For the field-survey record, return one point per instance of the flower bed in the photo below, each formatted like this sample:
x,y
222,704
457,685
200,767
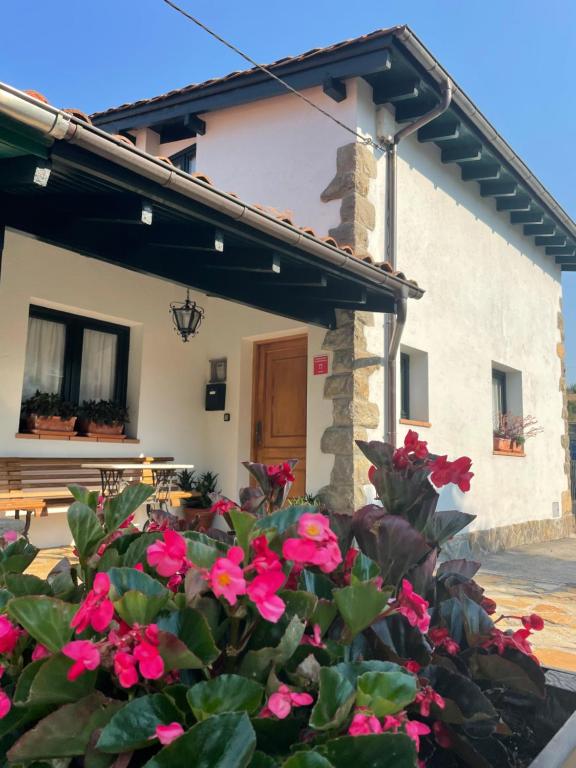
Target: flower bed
x,y
301,639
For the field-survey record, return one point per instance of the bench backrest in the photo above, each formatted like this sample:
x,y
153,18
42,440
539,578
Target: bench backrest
x,y
34,476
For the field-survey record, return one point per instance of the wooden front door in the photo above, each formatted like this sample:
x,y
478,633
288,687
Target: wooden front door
x,y
279,413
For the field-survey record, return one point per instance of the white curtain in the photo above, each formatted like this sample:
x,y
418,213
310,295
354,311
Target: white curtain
x,y
98,366
44,357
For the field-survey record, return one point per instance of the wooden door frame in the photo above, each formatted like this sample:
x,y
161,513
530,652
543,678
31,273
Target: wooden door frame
x,y
255,346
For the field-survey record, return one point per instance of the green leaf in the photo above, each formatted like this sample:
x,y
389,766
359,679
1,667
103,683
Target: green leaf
x,y
317,583
226,693
16,557
21,584
260,760
307,760
86,530
137,608
385,693
336,697
84,496
192,628
5,596
47,619
51,686
22,692
126,579
222,741
363,569
276,737
256,664
176,654
283,519
385,750
242,522
443,524
202,550
66,732
133,725
119,508
299,603
136,552
360,604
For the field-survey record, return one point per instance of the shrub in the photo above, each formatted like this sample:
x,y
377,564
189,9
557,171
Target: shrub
x,y
279,644
48,404
103,412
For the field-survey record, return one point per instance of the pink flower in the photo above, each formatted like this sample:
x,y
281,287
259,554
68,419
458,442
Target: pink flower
x,y
415,446
150,663
392,723
316,527
168,556
97,610
166,734
458,472
265,559
128,522
314,639
227,578
10,536
412,606
139,567
5,704
489,605
533,621
440,638
281,702
125,669
262,591
318,547
426,698
86,657
222,506
413,666
9,635
414,729
363,725
40,652
280,474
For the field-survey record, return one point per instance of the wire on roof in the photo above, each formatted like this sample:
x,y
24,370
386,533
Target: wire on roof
x,y
364,139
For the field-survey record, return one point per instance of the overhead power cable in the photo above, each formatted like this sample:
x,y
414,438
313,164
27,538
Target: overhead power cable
x,y
363,139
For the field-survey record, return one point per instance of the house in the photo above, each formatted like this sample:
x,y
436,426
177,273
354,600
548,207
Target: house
x,y
448,202
99,239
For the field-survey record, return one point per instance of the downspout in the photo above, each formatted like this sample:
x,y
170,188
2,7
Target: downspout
x,y
394,326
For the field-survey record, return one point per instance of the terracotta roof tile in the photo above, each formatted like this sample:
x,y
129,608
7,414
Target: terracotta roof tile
x,y
79,115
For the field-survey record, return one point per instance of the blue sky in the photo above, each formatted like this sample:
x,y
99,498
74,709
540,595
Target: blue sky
x,y
514,58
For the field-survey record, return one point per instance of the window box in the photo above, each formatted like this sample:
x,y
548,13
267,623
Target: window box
x,y
39,425
503,444
93,429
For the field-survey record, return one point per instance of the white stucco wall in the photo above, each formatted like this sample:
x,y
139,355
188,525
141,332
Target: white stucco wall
x,y
166,378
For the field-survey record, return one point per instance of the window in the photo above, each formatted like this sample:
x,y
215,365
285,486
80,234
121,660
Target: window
x,y
413,385
499,400
186,159
76,357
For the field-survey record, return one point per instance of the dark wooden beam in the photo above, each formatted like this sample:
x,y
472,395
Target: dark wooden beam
x,y
527,217
440,130
334,88
246,262
462,153
185,128
566,258
498,188
550,240
396,91
412,109
293,278
560,250
481,172
539,229
114,211
569,267
188,239
28,171
516,203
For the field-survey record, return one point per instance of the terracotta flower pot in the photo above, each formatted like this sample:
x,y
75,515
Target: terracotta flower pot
x,y
37,424
518,447
502,444
93,428
201,519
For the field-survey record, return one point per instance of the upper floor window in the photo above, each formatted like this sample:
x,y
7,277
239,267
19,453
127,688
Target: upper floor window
x,y
77,357
499,397
414,385
186,159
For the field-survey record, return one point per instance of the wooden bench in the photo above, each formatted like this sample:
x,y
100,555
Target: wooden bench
x,y
33,485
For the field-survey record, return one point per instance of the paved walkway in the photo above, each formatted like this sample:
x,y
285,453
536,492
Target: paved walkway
x,y
538,578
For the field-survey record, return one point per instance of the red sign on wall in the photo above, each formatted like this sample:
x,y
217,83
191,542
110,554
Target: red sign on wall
x,y
320,365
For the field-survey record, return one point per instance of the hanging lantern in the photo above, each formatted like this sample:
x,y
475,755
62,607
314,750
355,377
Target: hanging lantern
x,y
186,317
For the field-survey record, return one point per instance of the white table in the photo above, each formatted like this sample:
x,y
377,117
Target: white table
x,y
111,475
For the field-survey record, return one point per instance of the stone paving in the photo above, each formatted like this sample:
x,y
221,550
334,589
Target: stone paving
x,y
537,578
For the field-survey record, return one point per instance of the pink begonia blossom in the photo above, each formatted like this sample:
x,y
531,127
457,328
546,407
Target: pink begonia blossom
x,y
9,635
40,652
364,725
440,638
458,472
86,657
414,729
318,545
223,506
265,559
227,578
413,666
139,567
280,474
426,698
533,621
281,702
125,669
168,556
315,639
413,607
10,536
5,704
166,734
316,527
97,610
150,663
262,591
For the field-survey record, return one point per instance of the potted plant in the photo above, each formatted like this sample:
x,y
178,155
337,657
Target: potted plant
x,y
513,431
47,412
197,509
102,417
306,640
